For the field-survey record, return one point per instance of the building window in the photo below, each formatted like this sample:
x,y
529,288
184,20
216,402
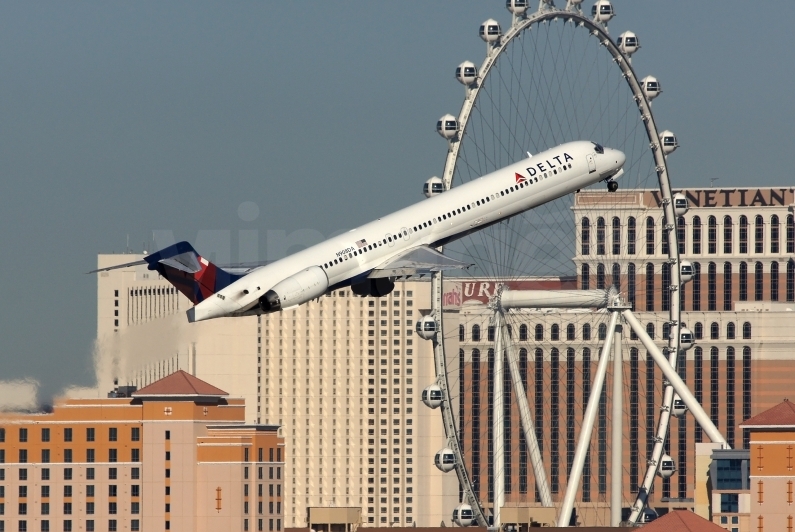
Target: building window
x,y
616,236
650,287
631,284
746,393
523,333
570,332
90,455
680,234
758,281
112,455
712,235
539,404
790,233
774,234
634,413
727,235
727,286
729,503
600,276
461,332
631,232
90,434
135,455
714,331
698,330
743,281
746,331
774,281
586,392
67,434
539,332
730,419
600,236
490,333
698,381
759,234
730,332
712,287
714,386
586,331
45,435
696,286
791,280
743,234
554,422
696,235
555,332
585,277
476,333
649,236
23,435
616,281
585,237
665,291
602,331
650,330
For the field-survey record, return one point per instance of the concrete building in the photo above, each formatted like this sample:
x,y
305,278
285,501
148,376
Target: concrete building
x,y
772,458
342,375
176,455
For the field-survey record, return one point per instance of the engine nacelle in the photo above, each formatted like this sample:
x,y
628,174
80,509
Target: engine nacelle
x,y
304,286
378,287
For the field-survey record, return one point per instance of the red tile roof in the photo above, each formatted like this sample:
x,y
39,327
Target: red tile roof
x,y
179,383
781,415
681,521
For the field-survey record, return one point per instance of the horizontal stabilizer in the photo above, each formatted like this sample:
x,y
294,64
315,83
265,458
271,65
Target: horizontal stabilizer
x,y
421,260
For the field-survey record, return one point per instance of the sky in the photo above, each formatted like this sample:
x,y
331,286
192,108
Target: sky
x,y
120,119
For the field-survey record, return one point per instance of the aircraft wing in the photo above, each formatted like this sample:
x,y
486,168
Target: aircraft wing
x,y
421,260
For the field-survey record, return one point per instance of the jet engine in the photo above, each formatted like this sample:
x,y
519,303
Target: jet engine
x,y
304,286
378,287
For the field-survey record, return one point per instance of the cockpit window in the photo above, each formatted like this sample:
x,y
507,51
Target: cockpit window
x,y
598,148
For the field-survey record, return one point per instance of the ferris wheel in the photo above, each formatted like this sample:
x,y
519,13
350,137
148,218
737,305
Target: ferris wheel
x,y
522,340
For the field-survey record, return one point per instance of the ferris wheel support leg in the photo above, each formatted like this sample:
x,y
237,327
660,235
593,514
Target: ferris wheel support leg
x,y
584,440
616,478
498,425
526,419
676,381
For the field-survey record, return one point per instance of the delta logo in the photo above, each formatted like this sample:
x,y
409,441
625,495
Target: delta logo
x,y
520,178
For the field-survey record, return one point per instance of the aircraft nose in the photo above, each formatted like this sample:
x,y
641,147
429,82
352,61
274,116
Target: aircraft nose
x,y
619,158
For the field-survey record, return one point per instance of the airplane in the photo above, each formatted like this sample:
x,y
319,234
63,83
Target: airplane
x,y
402,244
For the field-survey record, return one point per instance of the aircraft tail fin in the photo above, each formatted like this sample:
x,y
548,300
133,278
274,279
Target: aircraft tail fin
x,y
190,273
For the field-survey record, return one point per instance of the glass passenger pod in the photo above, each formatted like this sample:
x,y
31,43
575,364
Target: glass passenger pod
x,y
681,205
602,11
426,328
628,43
686,338
490,31
667,467
679,408
463,515
686,271
669,142
432,396
651,87
447,127
517,7
444,460
466,73
433,187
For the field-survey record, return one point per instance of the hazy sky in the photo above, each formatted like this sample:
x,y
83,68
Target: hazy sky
x,y
121,118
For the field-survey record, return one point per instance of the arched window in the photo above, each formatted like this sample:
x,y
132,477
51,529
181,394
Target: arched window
x,y
712,287
696,235
698,330
666,331
650,236
696,286
585,278
743,281
600,276
650,330
791,280
616,236
743,234
790,233
730,333
714,331
570,332
523,333
617,276
585,236
727,286
602,331
747,330
631,235
490,333
586,331
600,236
631,284
665,291
461,333
759,234
727,234
774,234
712,235
774,281
555,332
476,333
680,234
758,281
539,332
649,287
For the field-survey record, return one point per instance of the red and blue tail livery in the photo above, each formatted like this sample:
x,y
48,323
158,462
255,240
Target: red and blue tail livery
x,y
194,276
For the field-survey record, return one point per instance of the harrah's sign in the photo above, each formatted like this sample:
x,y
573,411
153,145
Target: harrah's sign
x,y
730,197
479,291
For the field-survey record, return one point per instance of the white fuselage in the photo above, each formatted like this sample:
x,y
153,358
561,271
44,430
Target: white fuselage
x,y
432,222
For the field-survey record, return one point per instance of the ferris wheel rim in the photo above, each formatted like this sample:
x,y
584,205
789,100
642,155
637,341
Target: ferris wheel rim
x,y
519,26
